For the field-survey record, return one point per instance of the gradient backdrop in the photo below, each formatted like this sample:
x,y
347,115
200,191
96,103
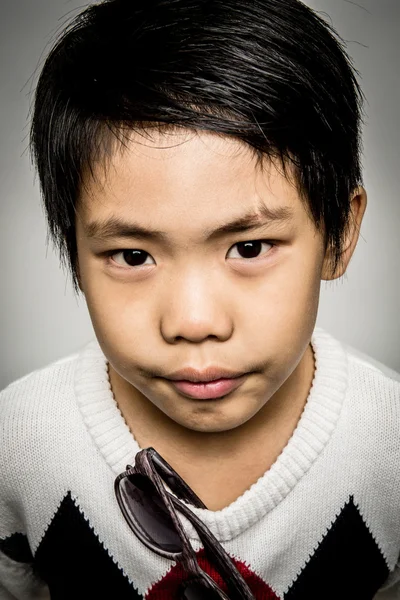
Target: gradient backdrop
x,y
41,320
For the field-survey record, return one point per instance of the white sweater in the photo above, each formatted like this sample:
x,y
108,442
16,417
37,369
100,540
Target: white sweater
x,y
322,523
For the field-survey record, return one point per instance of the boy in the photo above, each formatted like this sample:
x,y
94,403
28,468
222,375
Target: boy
x,y
185,135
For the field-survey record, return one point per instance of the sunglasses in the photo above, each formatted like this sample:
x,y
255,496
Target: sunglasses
x,y
150,511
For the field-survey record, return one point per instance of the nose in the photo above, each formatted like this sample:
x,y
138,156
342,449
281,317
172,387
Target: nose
x,y
196,308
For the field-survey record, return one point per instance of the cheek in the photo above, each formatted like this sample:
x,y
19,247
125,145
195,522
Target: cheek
x,y
287,307
118,312
291,288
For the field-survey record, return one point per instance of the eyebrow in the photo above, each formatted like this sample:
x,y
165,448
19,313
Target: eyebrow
x,y
115,227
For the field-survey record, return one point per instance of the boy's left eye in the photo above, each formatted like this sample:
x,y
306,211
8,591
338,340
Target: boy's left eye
x,y
248,251
251,248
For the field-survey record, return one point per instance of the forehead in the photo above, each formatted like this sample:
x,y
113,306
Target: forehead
x,y
180,154
183,177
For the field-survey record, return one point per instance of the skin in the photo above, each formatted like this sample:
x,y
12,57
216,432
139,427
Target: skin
x,y
196,303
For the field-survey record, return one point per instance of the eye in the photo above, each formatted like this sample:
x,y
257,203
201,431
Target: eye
x,y
252,248
132,258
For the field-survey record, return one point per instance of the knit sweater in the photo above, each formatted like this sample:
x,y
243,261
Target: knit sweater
x,y
323,522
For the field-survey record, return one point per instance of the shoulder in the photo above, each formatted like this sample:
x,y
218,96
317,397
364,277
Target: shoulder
x,y
47,371
37,389
46,449
372,407
371,402
34,412
364,362
360,367
373,381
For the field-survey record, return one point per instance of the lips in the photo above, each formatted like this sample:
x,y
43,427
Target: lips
x,y
210,390
209,374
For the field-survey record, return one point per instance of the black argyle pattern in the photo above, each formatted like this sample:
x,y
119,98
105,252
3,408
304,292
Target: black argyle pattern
x,y
346,565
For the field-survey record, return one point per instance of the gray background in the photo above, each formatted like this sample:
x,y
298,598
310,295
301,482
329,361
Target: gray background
x,y
40,318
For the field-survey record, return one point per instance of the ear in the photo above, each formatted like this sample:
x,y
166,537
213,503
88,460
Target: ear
x,y
358,204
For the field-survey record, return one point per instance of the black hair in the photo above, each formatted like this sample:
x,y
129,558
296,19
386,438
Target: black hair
x,y
271,73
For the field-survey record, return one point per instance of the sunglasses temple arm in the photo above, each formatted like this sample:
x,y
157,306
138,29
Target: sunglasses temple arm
x,y
238,587
174,480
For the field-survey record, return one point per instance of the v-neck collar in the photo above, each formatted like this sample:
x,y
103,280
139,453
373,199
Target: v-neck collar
x,y
113,438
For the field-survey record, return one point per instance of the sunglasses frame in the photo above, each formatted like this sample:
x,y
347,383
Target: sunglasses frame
x,y
150,464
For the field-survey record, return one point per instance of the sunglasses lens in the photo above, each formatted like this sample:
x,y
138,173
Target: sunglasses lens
x,y
143,504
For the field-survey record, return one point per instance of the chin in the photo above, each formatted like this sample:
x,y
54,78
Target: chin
x,y
211,423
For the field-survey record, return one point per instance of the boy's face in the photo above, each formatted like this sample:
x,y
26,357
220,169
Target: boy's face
x,y
193,302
